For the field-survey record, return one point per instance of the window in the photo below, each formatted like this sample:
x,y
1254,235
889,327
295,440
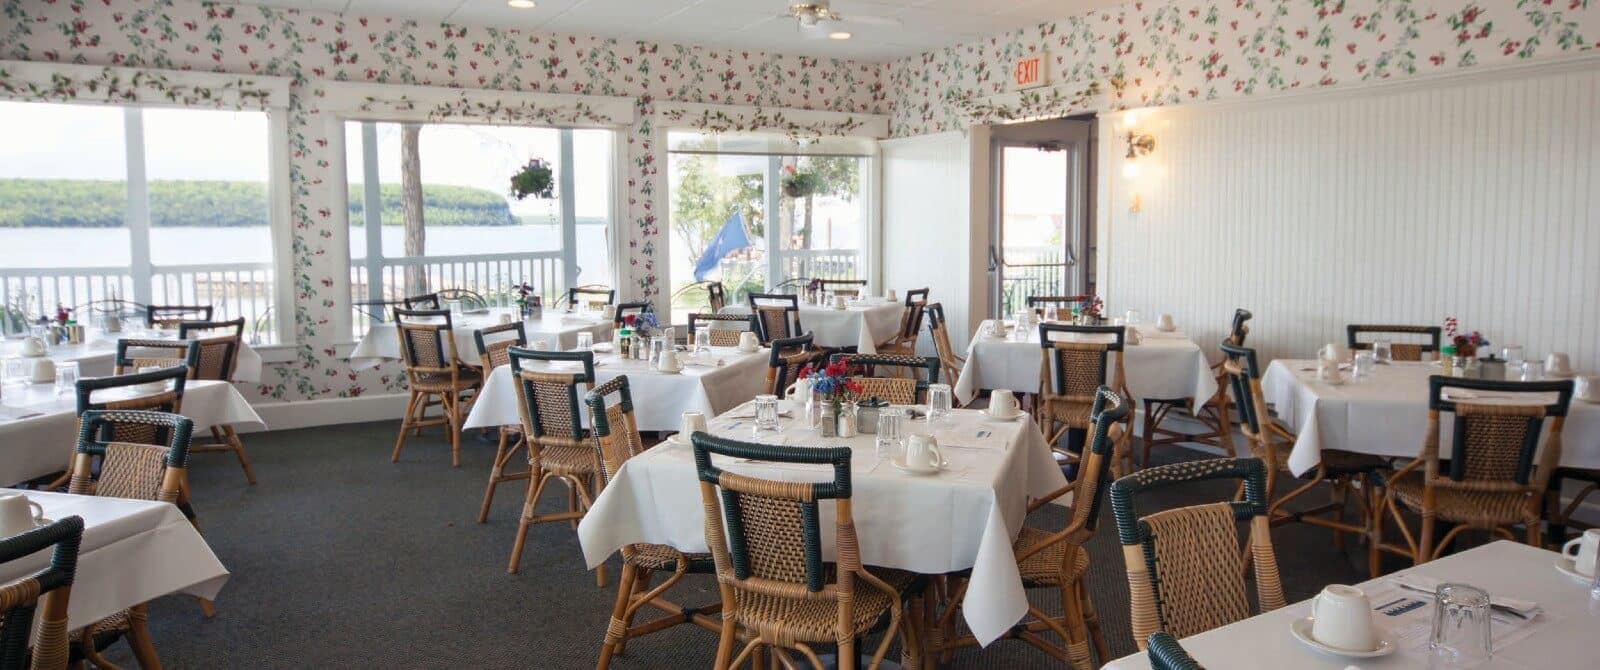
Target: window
x,y
474,235
755,213
149,205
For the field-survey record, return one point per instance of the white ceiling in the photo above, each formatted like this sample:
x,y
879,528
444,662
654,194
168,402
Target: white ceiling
x,y
743,24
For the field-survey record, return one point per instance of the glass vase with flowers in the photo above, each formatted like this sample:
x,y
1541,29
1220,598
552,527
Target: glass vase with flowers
x,y
838,394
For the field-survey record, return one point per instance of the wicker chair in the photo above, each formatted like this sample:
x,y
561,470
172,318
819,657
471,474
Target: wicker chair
x,y
910,389
1347,471
624,309
218,356
1070,375
169,400
137,470
1056,559
721,337
949,361
435,375
845,287
616,439
1038,303
595,296
1165,653
787,358
22,643
558,446
424,301
1213,412
766,540
777,315
716,296
1403,351
494,347
1558,516
133,354
904,341
1496,474
191,329
170,316
1185,572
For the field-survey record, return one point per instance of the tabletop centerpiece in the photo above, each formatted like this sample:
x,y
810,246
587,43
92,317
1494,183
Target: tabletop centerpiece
x,y
642,329
1462,351
838,396
529,304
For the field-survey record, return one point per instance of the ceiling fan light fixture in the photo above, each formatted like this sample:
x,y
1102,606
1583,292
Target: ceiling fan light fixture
x,y
521,4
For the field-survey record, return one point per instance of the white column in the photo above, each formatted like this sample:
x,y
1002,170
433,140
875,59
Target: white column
x,y
567,183
138,221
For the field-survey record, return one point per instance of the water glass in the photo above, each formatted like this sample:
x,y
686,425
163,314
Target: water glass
x,y
766,412
1131,317
1532,371
890,440
1366,362
1513,356
1383,352
939,403
702,340
585,340
1460,637
66,377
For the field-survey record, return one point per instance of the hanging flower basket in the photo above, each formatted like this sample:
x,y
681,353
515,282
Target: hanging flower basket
x,y
535,179
802,184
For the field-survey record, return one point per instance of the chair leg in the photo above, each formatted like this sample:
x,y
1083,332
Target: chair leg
x,y
144,651
1077,641
495,471
1374,530
725,642
448,402
1149,431
617,630
1092,620
1425,550
405,424
231,438
536,483
208,609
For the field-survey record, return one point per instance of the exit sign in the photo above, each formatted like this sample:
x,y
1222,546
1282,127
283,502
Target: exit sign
x,y
1029,72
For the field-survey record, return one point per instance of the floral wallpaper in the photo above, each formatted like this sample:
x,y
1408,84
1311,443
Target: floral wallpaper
x,y
1168,53
315,47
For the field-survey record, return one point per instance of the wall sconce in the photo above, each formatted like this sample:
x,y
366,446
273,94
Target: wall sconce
x,y
1139,144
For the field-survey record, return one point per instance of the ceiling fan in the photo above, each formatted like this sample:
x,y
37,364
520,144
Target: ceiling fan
x,y
818,21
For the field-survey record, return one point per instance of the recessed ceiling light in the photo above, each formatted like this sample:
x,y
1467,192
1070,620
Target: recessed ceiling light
x,y
521,4
839,35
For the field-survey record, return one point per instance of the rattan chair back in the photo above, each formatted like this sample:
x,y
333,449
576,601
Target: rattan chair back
x,y
1240,329
910,389
949,360
1243,372
625,309
191,329
720,337
1074,370
594,296
139,470
494,341
786,359
777,315
1403,351
1185,574
427,344
1164,653
419,302
123,395
1494,446
135,353
45,591
911,318
548,400
220,343
1107,414
171,316
616,432
716,296
846,287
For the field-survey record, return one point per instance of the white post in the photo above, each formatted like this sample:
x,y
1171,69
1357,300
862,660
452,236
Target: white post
x,y
567,183
774,192
138,221
371,209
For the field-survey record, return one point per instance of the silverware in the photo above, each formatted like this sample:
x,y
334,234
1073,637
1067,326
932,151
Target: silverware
x,y
1498,608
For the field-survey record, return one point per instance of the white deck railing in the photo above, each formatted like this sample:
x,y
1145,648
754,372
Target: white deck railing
x,y
233,289
489,275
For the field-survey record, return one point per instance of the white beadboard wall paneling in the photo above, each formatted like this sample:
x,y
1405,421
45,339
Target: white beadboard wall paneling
x,y
926,231
1473,197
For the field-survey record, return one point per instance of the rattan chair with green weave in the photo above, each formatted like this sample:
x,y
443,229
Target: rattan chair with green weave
x,y
950,362
1165,653
1403,351
1074,362
43,645
786,359
137,471
219,343
133,354
766,540
549,393
435,376
872,372
905,337
1214,412
1056,559
725,336
1185,572
616,439
1496,474
494,344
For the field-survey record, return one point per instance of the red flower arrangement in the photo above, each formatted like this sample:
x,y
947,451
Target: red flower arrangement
x,y
833,382
1466,344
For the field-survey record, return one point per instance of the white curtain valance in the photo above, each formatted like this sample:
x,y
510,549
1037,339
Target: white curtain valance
x,y
388,102
763,130
55,82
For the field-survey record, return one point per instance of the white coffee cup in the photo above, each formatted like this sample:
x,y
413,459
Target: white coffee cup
x,y
748,342
838,302
1557,365
891,296
669,361
1002,404
922,454
800,390
44,371
1165,324
18,514
540,345
1588,545
33,347
1586,388
1342,618
689,424
505,318
608,312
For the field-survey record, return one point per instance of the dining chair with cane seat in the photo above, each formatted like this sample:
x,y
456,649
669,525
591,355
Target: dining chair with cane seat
x,y
850,288
169,316
904,341
1056,559
1495,473
219,354
494,350
1075,361
787,358
1186,570
44,645
133,354
128,392
720,337
593,296
424,301
1403,351
549,393
949,361
1214,413
626,309
766,542
777,315
192,329
138,470
616,439
716,297
1164,653
435,375
1039,303
1558,516
1347,472
869,370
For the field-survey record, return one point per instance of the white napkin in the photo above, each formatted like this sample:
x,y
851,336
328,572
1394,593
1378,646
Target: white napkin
x,y
1419,581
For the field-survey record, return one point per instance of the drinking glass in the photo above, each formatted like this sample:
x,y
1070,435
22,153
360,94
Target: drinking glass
x,y
1366,362
1383,352
939,403
585,340
66,377
658,344
766,412
1460,637
1532,371
1131,317
1513,355
702,340
889,439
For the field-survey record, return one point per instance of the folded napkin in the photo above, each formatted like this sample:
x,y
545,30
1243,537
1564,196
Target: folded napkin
x,y
1416,581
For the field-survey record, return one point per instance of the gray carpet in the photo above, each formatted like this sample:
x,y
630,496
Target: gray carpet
x,y
341,559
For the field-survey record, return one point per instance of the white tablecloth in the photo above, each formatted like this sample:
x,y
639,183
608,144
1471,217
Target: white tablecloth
x,y
132,551
1387,415
555,329
1162,366
96,356
39,429
1564,639
659,400
861,326
965,517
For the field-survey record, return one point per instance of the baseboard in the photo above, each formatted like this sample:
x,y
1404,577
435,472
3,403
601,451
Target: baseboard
x,y
330,411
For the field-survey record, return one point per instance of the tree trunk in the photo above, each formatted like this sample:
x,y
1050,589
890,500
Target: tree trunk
x,y
411,206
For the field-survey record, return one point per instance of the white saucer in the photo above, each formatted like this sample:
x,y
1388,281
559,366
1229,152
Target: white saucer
x,y
1173,329
915,473
678,371
747,351
1568,374
1003,419
1301,629
1564,566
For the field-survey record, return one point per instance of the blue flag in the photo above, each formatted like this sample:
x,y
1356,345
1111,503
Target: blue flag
x,y
728,240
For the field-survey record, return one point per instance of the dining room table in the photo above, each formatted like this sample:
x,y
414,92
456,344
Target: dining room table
x,y
1386,414
711,382
555,328
96,354
132,551
1560,635
1161,366
862,323
39,424
964,516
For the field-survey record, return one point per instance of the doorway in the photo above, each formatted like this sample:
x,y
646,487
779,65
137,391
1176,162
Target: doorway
x,y
1042,240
